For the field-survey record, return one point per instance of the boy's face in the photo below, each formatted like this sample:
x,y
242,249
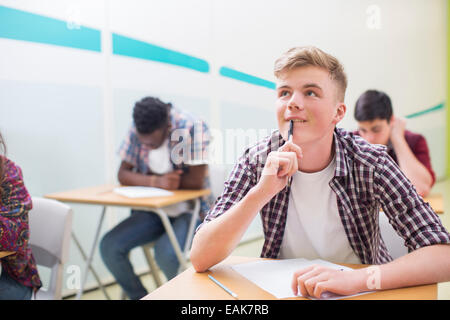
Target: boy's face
x,y
376,131
308,96
155,139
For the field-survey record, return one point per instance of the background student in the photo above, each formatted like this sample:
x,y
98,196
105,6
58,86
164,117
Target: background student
x,y
150,157
330,210
377,124
19,275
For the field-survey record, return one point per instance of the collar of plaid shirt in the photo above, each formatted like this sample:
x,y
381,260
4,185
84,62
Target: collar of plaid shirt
x,y
366,179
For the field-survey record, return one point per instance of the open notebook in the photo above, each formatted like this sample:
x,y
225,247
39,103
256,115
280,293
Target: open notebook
x,y
275,276
142,192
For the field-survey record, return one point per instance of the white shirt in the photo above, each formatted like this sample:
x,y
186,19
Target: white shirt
x,y
159,163
159,159
313,227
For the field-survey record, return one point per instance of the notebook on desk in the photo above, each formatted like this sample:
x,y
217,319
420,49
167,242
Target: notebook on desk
x,y
142,192
275,276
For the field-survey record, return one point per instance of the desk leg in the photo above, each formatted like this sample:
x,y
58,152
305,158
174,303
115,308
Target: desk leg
x,y
190,234
91,255
172,237
191,230
83,254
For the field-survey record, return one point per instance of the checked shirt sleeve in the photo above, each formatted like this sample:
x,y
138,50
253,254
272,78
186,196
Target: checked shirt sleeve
x,y
129,148
412,218
242,178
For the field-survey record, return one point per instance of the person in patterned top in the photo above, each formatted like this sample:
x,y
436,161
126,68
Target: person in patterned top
x,y
19,275
329,209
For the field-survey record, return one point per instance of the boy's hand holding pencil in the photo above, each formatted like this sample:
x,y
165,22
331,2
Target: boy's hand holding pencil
x,y
279,167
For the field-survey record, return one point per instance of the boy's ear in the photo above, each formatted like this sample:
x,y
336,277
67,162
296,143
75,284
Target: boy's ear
x,y
340,112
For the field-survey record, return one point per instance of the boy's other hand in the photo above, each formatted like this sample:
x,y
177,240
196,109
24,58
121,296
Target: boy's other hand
x,y
314,280
398,126
169,181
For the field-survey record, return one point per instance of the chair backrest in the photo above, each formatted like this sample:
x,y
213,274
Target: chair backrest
x,y
394,243
50,230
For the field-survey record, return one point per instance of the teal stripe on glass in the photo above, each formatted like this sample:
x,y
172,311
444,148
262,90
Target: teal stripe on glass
x,y
237,75
22,25
420,113
129,47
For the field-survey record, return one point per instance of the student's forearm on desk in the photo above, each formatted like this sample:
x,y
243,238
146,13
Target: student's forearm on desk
x,y
130,178
218,238
424,266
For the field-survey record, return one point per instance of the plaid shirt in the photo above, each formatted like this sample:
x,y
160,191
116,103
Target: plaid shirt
x,y
189,139
365,180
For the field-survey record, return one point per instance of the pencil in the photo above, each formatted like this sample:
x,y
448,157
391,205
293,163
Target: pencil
x,y
291,130
290,133
234,295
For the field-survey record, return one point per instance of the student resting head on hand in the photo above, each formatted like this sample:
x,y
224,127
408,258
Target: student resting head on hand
x,y
151,156
377,124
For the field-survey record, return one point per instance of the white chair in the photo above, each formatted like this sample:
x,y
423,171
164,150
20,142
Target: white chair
x,y
50,228
394,243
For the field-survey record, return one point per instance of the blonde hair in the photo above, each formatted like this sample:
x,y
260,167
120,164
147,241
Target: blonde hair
x,y
312,56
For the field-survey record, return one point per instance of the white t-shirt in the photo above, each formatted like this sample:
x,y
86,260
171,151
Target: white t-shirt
x,y
159,163
313,227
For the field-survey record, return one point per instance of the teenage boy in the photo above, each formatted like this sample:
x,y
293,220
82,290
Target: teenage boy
x,y
330,209
377,125
164,148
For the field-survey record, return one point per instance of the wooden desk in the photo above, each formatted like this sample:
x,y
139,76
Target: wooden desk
x,y
190,285
436,201
104,196
5,253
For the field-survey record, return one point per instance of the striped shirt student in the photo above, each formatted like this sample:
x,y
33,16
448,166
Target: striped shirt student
x,y
188,145
165,148
329,209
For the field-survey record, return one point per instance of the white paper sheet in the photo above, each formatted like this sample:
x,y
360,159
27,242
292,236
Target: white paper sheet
x,y
275,276
142,192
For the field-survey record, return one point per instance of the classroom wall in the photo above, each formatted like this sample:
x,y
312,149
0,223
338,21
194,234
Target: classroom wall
x,y
448,89
70,72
